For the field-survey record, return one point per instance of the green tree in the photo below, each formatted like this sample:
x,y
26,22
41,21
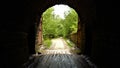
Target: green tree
x,y
55,26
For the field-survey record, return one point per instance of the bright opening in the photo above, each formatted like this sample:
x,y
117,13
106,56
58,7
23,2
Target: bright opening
x,y
59,23
61,10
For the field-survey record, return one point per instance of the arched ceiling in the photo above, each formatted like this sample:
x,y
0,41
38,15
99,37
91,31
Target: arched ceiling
x,y
22,16
85,8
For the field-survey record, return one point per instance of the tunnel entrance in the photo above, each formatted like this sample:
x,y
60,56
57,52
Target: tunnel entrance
x,y
59,29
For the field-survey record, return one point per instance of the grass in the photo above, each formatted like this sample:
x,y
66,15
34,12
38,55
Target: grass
x,y
47,43
70,43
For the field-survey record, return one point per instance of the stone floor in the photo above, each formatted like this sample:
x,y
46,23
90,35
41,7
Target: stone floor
x,y
60,61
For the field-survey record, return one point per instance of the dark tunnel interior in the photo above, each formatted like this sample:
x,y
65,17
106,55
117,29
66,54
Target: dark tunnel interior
x,y
18,30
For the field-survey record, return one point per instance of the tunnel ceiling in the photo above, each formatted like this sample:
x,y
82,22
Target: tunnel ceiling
x,y
85,8
21,16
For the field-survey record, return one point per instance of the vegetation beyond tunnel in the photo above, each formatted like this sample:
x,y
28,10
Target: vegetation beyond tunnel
x,y
58,21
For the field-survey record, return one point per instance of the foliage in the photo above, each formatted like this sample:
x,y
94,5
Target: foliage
x,y
57,27
70,43
47,43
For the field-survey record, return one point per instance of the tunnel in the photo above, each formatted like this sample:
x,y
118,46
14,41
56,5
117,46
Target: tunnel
x,y
19,29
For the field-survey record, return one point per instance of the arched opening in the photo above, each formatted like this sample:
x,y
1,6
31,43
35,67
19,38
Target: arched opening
x,y
56,24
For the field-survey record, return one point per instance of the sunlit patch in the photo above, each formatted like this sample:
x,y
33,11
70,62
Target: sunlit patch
x,y
58,46
61,10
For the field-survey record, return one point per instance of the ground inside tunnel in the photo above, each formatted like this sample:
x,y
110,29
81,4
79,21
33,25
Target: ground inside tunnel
x,y
60,61
59,55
